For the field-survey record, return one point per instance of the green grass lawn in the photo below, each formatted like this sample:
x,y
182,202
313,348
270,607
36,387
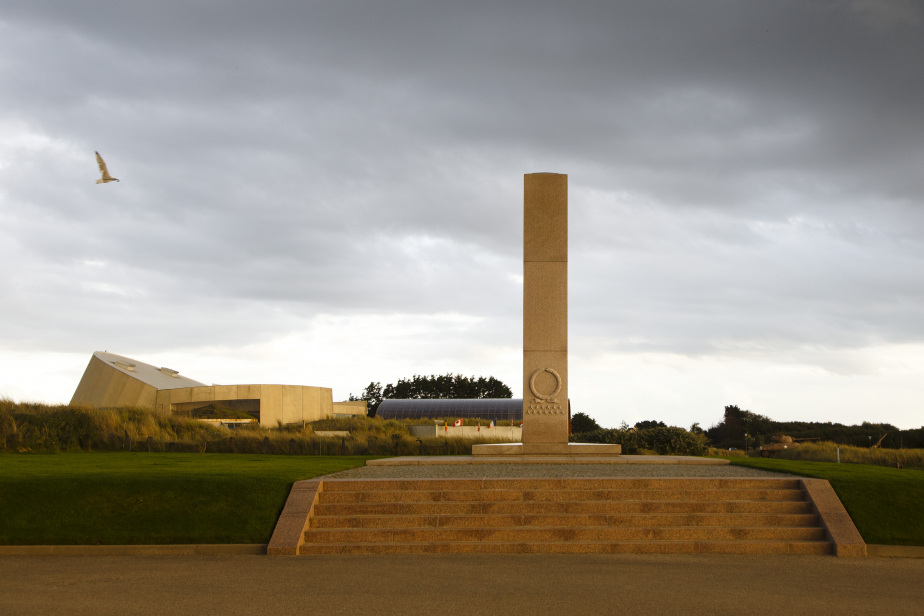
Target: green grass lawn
x,y
886,504
149,498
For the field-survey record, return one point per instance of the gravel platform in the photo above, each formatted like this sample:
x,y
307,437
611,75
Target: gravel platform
x,y
478,471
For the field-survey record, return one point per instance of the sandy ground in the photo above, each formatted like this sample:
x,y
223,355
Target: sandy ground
x,y
460,584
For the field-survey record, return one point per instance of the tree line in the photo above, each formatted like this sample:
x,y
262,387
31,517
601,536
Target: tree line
x,y
739,428
435,386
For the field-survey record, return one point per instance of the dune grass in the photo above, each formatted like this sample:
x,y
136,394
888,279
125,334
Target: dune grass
x,y
27,427
827,451
884,503
149,498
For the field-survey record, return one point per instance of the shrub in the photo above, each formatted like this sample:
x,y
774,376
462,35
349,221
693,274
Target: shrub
x,y
663,440
582,422
826,451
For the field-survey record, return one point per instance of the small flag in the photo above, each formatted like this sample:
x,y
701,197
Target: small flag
x,y
479,426
458,423
521,425
491,425
447,426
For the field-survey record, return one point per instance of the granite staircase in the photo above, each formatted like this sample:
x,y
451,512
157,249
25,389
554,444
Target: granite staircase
x,y
669,515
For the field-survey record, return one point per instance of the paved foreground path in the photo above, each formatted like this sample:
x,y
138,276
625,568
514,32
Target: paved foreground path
x,y
514,585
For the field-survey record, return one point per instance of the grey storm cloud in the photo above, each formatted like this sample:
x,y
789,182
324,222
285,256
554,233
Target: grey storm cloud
x,y
746,177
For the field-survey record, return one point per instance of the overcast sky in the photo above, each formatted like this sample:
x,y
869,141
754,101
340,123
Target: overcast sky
x,y
330,193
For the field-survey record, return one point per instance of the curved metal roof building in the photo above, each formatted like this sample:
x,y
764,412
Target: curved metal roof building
x,y
498,409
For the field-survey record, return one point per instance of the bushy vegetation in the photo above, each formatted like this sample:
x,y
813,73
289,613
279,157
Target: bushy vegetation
x,y
26,427
582,422
34,427
712,452
666,440
827,452
740,427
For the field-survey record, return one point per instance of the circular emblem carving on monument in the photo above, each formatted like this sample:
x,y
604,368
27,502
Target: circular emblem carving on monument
x,y
532,385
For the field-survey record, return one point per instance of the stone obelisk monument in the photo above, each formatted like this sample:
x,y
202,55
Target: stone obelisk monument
x,y
545,324
545,313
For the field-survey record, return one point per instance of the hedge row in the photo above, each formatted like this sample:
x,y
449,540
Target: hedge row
x,y
663,441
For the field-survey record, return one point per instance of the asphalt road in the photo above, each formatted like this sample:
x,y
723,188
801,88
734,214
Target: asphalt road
x,y
460,584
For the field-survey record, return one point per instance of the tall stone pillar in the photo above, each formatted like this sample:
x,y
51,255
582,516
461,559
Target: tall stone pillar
x,y
545,312
545,327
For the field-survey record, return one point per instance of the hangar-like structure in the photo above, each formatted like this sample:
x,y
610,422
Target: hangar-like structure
x,y
501,410
112,380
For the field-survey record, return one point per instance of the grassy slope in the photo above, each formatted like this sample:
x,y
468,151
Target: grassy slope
x,y
886,504
149,498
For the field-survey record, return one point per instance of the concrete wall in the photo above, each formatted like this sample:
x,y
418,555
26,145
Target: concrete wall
x,y
514,434
103,385
351,407
278,403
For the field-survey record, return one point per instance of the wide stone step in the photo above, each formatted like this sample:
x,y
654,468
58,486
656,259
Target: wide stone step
x,y
561,507
671,515
474,496
581,483
563,534
561,520
577,547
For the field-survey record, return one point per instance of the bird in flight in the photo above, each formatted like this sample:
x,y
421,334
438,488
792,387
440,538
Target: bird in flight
x,y
102,168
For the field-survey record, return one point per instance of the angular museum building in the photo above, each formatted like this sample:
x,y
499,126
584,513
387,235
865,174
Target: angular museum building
x,y
112,380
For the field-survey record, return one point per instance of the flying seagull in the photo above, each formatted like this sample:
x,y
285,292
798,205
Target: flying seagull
x,y
102,168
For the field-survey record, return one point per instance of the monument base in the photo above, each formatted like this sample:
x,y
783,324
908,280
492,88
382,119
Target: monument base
x,y
546,449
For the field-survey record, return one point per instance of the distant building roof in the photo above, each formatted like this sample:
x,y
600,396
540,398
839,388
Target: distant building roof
x,y
159,378
498,409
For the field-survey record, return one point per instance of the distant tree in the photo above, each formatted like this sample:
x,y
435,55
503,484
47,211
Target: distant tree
x,y
696,429
434,386
446,386
373,397
648,425
736,423
581,422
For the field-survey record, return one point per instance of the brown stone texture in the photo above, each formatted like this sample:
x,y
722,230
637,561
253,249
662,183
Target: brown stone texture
x,y
289,533
841,530
557,515
545,421
545,302
545,209
545,309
